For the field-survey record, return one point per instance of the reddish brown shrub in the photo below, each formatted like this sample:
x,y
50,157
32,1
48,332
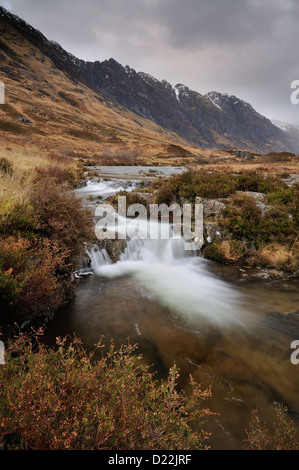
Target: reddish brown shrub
x,y
282,436
60,217
62,399
31,278
58,173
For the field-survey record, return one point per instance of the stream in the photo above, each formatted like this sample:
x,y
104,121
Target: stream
x,y
179,307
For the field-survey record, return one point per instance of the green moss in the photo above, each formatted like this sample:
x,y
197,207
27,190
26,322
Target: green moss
x,y
213,253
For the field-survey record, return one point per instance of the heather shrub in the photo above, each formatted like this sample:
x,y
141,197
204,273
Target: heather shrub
x,y
65,398
256,182
131,198
31,278
277,225
217,184
227,251
41,240
203,184
281,196
242,219
59,174
164,195
17,219
9,291
213,252
281,436
60,217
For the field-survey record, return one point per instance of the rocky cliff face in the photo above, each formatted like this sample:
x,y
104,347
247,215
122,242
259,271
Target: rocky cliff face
x,y
212,121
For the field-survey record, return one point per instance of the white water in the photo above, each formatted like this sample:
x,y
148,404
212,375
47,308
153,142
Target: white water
x,y
181,283
104,188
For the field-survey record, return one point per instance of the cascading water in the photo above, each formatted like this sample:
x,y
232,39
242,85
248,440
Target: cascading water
x,y
98,257
166,270
104,188
177,280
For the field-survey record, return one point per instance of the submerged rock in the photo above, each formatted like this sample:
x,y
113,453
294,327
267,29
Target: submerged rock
x,y
284,323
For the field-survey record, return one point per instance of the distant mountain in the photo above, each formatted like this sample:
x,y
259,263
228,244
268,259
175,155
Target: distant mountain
x,y
290,130
213,120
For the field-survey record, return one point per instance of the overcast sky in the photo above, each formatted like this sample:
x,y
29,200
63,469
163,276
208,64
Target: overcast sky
x,y
247,48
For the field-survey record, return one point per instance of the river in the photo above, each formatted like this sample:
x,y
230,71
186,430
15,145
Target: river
x,y
181,308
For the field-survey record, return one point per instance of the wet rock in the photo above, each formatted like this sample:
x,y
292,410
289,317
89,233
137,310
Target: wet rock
x,y
211,232
266,274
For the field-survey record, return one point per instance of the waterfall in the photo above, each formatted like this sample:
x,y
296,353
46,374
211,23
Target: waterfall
x,y
105,188
178,281
97,257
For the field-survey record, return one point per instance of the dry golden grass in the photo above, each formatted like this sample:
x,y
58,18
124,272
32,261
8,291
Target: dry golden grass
x,y
14,188
277,256
229,251
219,160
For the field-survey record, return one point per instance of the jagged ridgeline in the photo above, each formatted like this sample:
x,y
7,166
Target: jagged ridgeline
x,y
213,120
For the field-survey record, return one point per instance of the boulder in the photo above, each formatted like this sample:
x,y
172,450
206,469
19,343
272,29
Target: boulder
x,y
257,196
260,199
25,120
211,207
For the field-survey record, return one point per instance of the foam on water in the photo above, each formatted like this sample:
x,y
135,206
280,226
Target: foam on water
x,y
105,188
181,283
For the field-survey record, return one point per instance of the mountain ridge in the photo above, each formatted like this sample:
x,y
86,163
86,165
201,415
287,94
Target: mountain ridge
x,y
213,120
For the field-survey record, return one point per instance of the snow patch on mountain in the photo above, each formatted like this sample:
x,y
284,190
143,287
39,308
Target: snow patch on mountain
x,y
284,126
